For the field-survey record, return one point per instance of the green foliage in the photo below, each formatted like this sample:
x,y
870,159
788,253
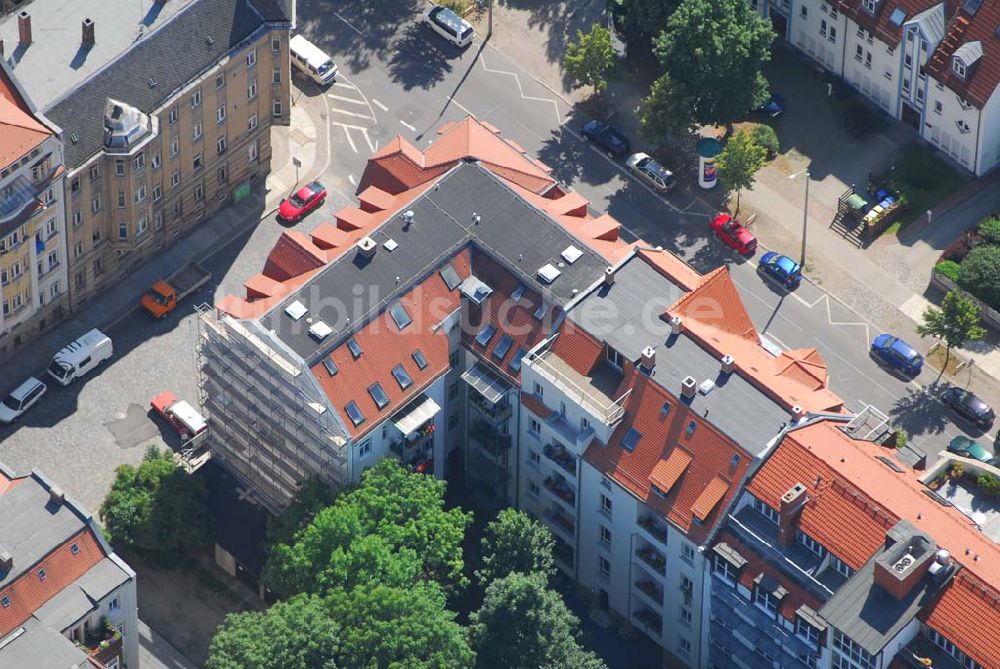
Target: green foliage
x,y
667,110
391,529
739,161
989,484
648,16
157,508
524,624
901,436
765,136
980,274
383,626
295,634
989,230
956,322
312,497
948,268
715,49
515,542
590,59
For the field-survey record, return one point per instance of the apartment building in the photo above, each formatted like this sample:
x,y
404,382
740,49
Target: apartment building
x,y
932,64
838,555
164,113
66,599
33,278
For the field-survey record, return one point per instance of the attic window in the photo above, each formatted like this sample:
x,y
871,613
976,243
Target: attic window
x,y
869,5
690,429
665,409
354,347
571,254
330,366
378,395
486,334
296,310
631,439
400,316
5,601
354,413
959,67
502,347
41,574
450,277
418,357
735,460
897,17
518,292
515,362
74,549
540,311
548,273
402,378
971,6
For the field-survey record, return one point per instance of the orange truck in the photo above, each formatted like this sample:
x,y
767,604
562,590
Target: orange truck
x,y
162,297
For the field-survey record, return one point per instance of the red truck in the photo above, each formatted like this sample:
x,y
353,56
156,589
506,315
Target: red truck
x,y
162,297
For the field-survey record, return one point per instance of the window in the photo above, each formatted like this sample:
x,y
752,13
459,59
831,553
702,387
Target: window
x,y
920,94
533,489
175,179
95,236
833,33
765,510
140,194
5,601
605,504
822,26
959,67
175,147
400,316
686,616
354,348
614,357
172,116
53,258
765,601
252,151
78,250
364,448
54,290
74,186
276,74
157,192
849,655
141,225
806,632
220,113
138,162
50,227
888,75
687,553
534,427
402,378
196,163
378,395
77,219
453,391
684,645
221,175
196,131
220,145
158,221
220,80
605,536
196,99
804,12
810,543
275,44
868,59
251,58
122,200
123,230
938,107
119,168
584,424
156,160
252,122
534,458
418,357
199,192
276,107
453,421
41,574
604,566
858,53
963,127
484,336
841,567
689,430
252,90
114,604
631,439
354,413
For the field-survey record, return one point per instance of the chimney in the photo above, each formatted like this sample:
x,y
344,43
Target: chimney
x,y
648,359
898,571
728,364
675,325
609,276
689,386
798,413
88,32
24,28
367,247
788,512
56,495
6,561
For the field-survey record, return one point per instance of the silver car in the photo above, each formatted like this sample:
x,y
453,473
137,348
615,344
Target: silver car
x,y
656,175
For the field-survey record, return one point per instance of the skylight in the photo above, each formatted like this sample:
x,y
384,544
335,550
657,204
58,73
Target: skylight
x,y
515,362
296,310
972,6
665,409
571,254
631,439
450,277
502,347
548,273
518,292
331,367
354,413
486,334
540,311
418,357
354,347
402,378
690,429
400,316
897,17
320,330
381,400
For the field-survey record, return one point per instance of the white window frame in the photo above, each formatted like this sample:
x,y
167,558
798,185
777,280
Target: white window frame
x,y
196,99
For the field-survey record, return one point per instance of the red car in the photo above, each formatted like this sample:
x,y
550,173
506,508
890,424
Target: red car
x,y
734,235
307,198
183,417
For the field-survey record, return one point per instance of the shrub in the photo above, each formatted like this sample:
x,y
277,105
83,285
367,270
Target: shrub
x,y
764,135
957,470
980,274
989,230
901,436
959,248
989,484
948,268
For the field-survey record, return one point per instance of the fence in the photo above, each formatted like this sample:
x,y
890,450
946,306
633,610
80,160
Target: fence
x,y
989,315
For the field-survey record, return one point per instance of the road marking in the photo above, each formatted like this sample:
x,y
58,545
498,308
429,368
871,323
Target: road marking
x,y
350,141
348,23
350,177
407,126
379,105
451,98
343,99
349,126
364,133
345,84
517,80
354,114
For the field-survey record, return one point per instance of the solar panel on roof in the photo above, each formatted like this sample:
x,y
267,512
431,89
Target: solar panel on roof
x,y
450,277
400,316
418,357
354,413
378,395
631,439
503,346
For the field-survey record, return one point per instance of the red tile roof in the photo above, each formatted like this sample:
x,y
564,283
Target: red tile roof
x,y
20,131
667,471
879,24
28,593
968,610
293,254
577,348
712,466
710,497
984,77
535,405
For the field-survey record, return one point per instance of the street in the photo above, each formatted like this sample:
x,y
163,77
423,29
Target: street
x,y
399,79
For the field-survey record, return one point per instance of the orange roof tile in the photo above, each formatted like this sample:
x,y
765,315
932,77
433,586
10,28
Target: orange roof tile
x,y
981,80
710,497
374,198
666,472
327,237
968,613
20,132
577,347
293,254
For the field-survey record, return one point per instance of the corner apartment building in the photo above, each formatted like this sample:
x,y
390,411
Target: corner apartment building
x,y
932,64
838,555
66,599
164,113
33,278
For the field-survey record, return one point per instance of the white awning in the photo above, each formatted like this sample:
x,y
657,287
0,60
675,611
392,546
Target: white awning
x,y
486,383
415,414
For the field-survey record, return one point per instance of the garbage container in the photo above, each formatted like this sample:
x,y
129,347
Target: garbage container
x,y
708,149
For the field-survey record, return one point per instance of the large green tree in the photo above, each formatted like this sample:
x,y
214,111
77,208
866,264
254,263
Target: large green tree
x,y
295,634
715,49
515,542
589,60
157,508
979,274
667,110
956,322
648,16
404,511
522,624
739,161
312,497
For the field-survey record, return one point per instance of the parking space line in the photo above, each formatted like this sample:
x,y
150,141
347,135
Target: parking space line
x,y
371,147
451,99
407,126
343,99
354,114
379,105
345,84
348,24
347,133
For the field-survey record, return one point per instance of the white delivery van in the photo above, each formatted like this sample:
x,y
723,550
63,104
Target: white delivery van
x,y
311,61
80,357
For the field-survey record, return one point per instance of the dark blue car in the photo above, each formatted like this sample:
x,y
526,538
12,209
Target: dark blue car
x,y
897,354
781,268
606,137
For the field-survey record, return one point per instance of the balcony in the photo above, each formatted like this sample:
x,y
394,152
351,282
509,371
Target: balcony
x,y
490,438
649,620
416,451
654,529
495,413
487,472
651,591
593,393
562,490
561,522
562,458
564,555
653,559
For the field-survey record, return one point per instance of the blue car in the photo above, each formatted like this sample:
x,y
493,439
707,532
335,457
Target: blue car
x,y
775,105
781,268
613,142
897,354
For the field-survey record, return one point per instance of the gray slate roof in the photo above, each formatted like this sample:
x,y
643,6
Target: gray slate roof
x,y
932,22
41,647
78,599
969,52
172,54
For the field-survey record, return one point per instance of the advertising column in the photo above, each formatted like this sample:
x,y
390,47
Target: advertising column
x,y
708,149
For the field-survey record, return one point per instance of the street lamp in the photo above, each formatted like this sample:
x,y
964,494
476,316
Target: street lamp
x,y
805,215
489,31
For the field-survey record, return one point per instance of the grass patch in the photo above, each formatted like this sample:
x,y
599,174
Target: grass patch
x,y
924,179
457,6
936,360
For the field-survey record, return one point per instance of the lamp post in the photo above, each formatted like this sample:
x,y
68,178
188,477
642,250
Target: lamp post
x,y
489,30
805,216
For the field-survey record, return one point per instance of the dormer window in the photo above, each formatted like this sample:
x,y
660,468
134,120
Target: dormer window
x,y
959,67
869,5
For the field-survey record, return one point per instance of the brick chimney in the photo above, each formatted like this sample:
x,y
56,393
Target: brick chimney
x,y
689,386
24,28
788,513
6,561
88,32
56,495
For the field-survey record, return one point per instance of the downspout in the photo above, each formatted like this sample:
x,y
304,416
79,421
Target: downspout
x,y
979,133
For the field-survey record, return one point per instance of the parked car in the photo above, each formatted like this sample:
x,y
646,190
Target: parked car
x,y
303,201
781,268
774,107
449,25
896,354
967,448
183,417
606,137
80,357
656,175
969,407
21,399
733,235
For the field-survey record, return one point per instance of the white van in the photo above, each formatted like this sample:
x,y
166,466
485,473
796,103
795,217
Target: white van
x,y
311,61
80,357
449,25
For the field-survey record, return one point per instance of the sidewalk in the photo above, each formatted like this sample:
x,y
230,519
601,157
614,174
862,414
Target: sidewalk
x,y
155,652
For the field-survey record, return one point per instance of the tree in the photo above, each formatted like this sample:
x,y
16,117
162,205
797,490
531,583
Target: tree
x,y
989,230
404,510
667,110
715,49
295,634
312,497
383,626
589,59
980,274
648,16
515,542
739,161
956,322
522,624
157,508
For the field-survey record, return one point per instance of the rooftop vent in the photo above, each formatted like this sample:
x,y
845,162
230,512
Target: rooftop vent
x,y
320,330
367,247
688,386
209,40
903,564
6,561
728,364
24,28
87,32
571,254
56,495
609,276
547,273
296,310
706,386
798,412
408,217
390,245
675,325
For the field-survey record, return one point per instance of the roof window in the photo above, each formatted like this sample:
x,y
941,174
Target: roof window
x,y
502,347
515,362
450,277
5,601
571,254
354,347
690,429
330,366
381,399
402,378
665,409
41,574
354,413
320,330
518,292
486,334
631,439
74,549
400,316
418,357
897,17
540,311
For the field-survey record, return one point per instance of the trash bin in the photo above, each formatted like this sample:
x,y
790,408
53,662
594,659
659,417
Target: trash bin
x,y
708,149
